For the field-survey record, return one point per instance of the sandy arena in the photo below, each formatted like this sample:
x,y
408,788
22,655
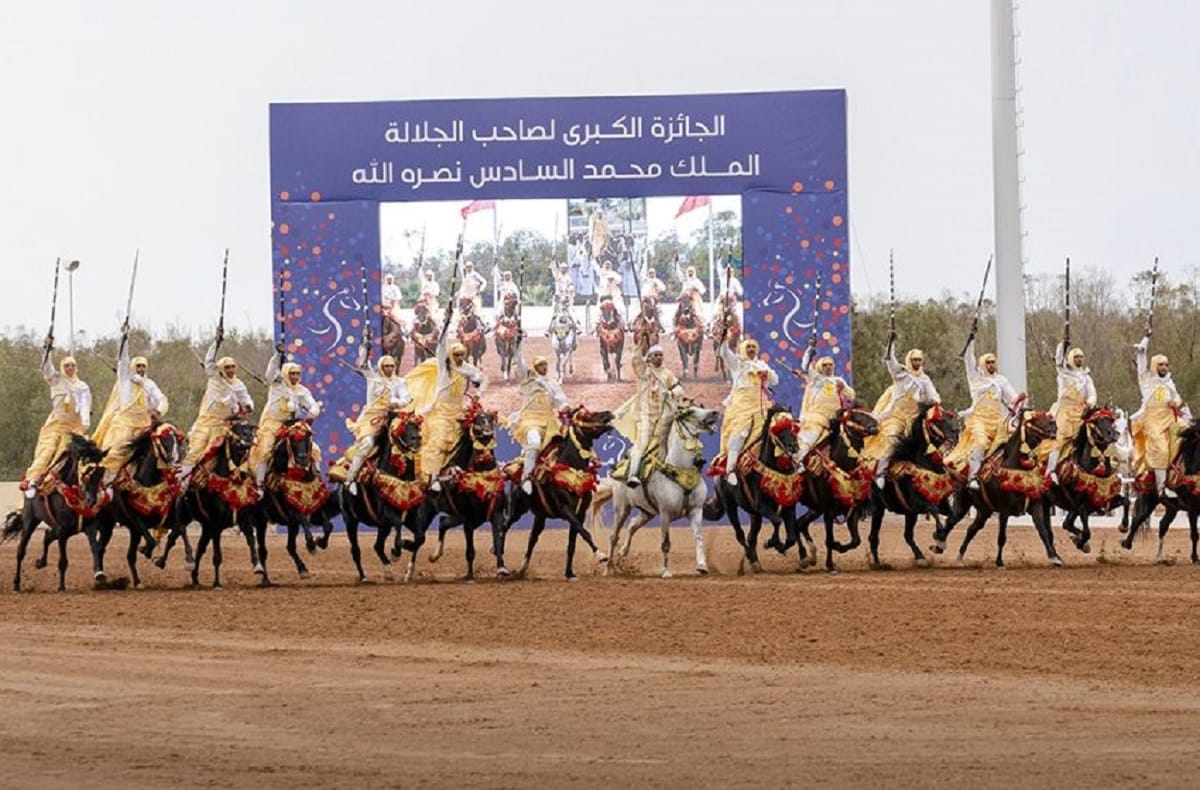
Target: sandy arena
x,y
1083,676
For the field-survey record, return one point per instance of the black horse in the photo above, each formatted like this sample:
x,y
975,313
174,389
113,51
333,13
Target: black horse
x,y
506,332
389,493
223,493
1011,482
294,494
71,499
769,483
145,493
1183,477
472,488
918,482
563,481
1088,479
837,479
424,334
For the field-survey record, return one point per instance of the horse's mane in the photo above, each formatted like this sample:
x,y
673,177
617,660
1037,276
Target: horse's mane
x,y
83,447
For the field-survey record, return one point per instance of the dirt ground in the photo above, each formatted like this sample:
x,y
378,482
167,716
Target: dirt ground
x,y
946,676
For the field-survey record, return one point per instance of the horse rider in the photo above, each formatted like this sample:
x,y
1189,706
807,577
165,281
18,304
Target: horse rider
x,y
472,285
689,283
655,385
386,392
608,283
1156,424
135,405
506,287
652,286
70,413
993,401
1076,394
564,286
825,394
598,233
225,399
430,291
390,298
731,292
533,424
748,401
287,399
897,408
437,387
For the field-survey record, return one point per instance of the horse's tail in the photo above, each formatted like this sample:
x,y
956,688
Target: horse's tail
x,y
601,496
12,526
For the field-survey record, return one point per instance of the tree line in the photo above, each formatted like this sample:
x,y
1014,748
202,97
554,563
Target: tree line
x,y
1107,319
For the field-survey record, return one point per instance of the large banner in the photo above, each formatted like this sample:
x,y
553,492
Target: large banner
x,y
628,175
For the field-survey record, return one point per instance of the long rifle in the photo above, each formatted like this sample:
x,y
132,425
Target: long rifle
x,y
224,284
458,253
520,292
725,310
53,307
129,303
978,306
366,307
282,315
1153,294
1067,317
891,298
816,308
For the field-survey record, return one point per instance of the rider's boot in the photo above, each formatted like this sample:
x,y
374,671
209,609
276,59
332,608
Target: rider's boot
x,y
973,469
731,458
1160,481
881,471
1052,466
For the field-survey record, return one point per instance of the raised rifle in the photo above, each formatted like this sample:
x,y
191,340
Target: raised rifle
x,y
978,306
128,304
1153,295
1067,318
53,306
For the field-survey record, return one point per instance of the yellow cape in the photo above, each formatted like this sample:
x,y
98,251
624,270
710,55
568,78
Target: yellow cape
x,y
422,382
110,408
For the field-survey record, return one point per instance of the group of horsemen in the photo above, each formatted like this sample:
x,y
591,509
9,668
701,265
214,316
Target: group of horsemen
x,y
442,388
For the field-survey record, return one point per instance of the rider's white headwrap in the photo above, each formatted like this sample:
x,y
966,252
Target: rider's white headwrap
x,y
654,349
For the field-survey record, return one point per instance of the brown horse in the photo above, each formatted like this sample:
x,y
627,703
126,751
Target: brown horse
x,y
611,331
508,327
647,328
689,335
424,334
471,331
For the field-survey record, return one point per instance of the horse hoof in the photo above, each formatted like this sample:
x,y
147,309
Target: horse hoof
x,y
100,577
702,569
139,586
39,564
503,573
161,563
263,581
1086,547
921,562
1056,562
188,565
601,557
961,558
938,547
217,586
1122,528
666,574
259,569
311,547
304,574
572,578
387,573
756,567
322,543
1000,566
435,556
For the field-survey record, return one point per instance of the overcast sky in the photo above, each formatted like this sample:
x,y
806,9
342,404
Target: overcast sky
x,y
143,125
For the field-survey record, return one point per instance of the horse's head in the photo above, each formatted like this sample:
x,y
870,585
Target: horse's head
x,y
855,424
466,305
607,308
421,311
83,467
696,418
589,425
166,441
480,425
1100,427
782,437
1037,426
404,432
239,441
293,447
939,424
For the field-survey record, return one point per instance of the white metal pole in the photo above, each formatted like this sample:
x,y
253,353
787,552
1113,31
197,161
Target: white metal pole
x,y
1006,197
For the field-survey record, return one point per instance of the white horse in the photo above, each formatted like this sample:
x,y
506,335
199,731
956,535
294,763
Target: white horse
x,y
564,336
674,489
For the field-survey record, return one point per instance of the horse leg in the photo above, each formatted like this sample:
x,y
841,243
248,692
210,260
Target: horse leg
x,y
201,547
445,524
355,551
131,560
752,542
28,525
1143,509
535,532
958,511
293,533
418,531
640,519
62,560
381,536
572,536
256,540
310,545
1163,526
910,523
97,543
1041,521
981,517
1195,534
1001,539
665,525
873,536
217,558
469,534
697,520
830,567
1084,540
48,539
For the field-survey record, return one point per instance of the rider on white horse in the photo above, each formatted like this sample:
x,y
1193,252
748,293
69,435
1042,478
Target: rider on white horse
x,y
536,421
656,385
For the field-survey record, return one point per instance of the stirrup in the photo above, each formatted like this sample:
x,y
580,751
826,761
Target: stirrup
x,y
731,478
527,486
